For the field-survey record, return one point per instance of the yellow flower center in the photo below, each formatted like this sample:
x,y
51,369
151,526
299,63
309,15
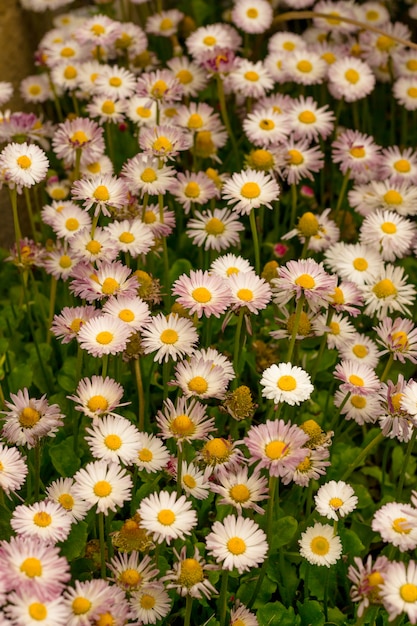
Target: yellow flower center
x,y
372,15
70,72
329,57
97,29
267,124
359,402
79,138
38,611
288,45
182,425
401,525
109,286
360,350
42,519
147,602
402,165
115,81
169,336
195,121
305,281
355,380
384,43
201,294
400,340
252,13
162,144
375,579
102,489
126,237
304,66
232,270
334,328
108,107
28,417
143,112
217,448
393,197
65,261
76,324
352,76
384,289
159,88
93,246
149,217
32,567
239,493
34,90
262,158
358,152
236,546
251,76
412,92
320,545
126,315
66,501
24,161
198,384
408,592
308,224
250,190
338,296
101,193
104,337
360,264
295,157
113,442
184,77
333,20
81,605
105,619
209,40
412,65
287,383
191,573
307,117
130,577
192,190
97,403
72,224
145,455
276,449
335,503
245,294
166,517
214,226
189,481
389,228
396,401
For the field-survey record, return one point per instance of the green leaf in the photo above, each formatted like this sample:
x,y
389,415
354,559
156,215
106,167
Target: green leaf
x,y
335,616
64,458
276,614
21,376
284,531
74,545
180,266
352,545
311,613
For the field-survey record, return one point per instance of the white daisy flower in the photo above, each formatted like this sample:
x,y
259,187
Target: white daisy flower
x,y
98,396
320,546
104,484
150,604
396,523
166,517
252,16
113,439
286,383
45,520
23,164
131,236
170,337
389,233
151,454
335,499
399,590
389,292
61,492
250,189
104,334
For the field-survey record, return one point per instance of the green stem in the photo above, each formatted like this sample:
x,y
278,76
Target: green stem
x,y
237,346
104,365
407,456
180,456
342,193
30,212
141,395
37,472
362,455
17,230
255,239
225,116
102,545
294,200
387,367
52,299
223,598
298,311
322,347
188,606
78,152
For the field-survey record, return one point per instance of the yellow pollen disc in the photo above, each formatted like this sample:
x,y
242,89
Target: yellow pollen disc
x,y
105,619
334,328
329,57
65,261
402,165
198,384
333,20
145,455
412,65
169,336
400,340
251,76
143,112
149,217
358,152
126,315
308,224
236,546
97,29
70,72
166,24
189,481
389,228
359,402
182,425
288,45
115,81
287,383
192,190
338,296
102,489
93,246
72,224
401,525
209,40
34,90
79,138
130,577
184,76
295,157
42,519
147,602
232,270
67,52
375,579
126,237
37,611
276,449
304,66
335,503
217,448
384,43
355,380
1,466
24,162
31,567
360,264
101,193
80,605
262,158
396,401
66,501
201,294
195,121
252,13
307,117
108,107
166,517
305,281
162,144
29,417
352,76
320,546
148,175
371,15
159,88
393,197
214,226
408,592
360,350
109,286
97,403
384,289
58,193
245,294
191,573
94,168
113,442
412,92
104,338
239,493
250,190
76,324
305,465
267,124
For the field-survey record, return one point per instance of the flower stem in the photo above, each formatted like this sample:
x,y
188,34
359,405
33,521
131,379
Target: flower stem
x,y
255,239
180,455
405,464
52,299
102,544
17,230
225,116
237,347
223,598
387,368
322,346
188,606
362,455
342,193
141,395
298,311
30,212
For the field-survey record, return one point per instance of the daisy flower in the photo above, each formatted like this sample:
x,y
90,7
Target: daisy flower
x,y
167,517
184,421
98,30
404,91
130,571
305,278
191,76
212,37
88,248
151,454
395,422
150,603
202,293
116,610
367,579
399,590
308,120
188,575
35,88
215,230
101,191
248,291
339,331
320,546
170,337
398,338
363,409
61,492
237,543
23,164
85,600
131,236
357,154
6,91
191,188
80,134
160,85
408,400
13,469
389,292
301,160
216,358
240,490
64,76
266,127
252,17
104,334
277,446
389,233
109,279
132,311
250,79
286,383
285,41
108,109
164,141
250,189
98,396
397,197
144,174
395,522
32,609
335,499
354,262
221,455
310,468
350,79
45,520
200,378
195,481
113,439
141,111
115,82
304,67
361,349
104,484
241,616
398,164
228,264
357,378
